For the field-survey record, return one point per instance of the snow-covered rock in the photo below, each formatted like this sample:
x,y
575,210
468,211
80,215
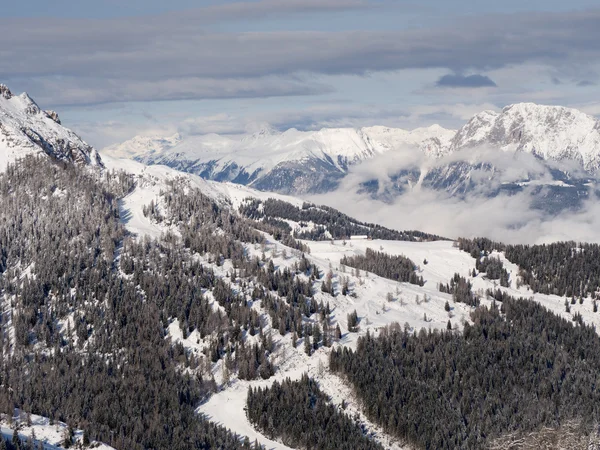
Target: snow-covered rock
x,y
548,132
26,129
299,162
292,161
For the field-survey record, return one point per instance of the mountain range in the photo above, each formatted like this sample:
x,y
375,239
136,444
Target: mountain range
x,y
189,312
290,162
551,150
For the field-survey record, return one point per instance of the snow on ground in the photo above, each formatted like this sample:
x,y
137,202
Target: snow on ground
x,y
413,307
150,180
52,436
374,311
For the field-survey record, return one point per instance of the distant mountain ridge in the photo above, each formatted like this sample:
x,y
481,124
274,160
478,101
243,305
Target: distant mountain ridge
x,y
289,162
300,162
25,128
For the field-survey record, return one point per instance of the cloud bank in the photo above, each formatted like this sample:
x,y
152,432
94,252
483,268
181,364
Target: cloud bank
x,y
503,217
89,61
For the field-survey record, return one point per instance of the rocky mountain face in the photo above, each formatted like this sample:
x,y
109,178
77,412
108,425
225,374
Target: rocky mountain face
x,y
548,132
25,128
551,151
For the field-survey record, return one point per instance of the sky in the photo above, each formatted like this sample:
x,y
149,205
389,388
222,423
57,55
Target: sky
x,y
115,69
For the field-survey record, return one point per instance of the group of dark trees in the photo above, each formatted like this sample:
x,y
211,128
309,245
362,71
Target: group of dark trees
x,y
561,268
301,416
460,288
493,268
393,267
330,223
90,309
90,305
516,369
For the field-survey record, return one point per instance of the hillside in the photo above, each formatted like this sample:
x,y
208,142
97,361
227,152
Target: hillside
x,y
157,299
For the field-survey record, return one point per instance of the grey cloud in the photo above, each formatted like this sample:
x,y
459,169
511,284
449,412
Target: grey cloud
x,y
269,8
465,81
585,83
66,91
176,46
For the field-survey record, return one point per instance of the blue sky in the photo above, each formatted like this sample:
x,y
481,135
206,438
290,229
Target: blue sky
x,y
114,69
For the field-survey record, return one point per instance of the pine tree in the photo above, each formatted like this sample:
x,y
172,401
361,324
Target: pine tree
x,y
16,441
316,336
307,344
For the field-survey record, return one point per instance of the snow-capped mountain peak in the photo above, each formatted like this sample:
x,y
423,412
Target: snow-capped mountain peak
x,y
259,131
27,129
548,132
290,161
139,145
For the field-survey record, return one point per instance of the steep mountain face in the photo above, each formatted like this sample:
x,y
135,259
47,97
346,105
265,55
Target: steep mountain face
x,y
27,129
290,162
551,150
549,132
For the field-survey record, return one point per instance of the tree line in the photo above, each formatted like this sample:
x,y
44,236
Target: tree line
x,y
330,223
561,268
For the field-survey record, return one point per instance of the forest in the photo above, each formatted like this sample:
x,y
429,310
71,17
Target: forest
x,y
568,269
330,223
91,305
517,368
301,416
461,290
60,236
393,267
86,309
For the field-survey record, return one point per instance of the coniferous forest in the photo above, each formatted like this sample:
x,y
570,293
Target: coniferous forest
x,y
397,268
299,414
87,308
561,268
330,223
109,369
517,368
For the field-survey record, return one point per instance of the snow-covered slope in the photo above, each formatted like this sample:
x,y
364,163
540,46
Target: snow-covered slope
x,y
43,432
290,162
378,301
151,179
26,129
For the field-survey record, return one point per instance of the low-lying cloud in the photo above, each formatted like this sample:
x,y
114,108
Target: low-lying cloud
x,y
508,218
